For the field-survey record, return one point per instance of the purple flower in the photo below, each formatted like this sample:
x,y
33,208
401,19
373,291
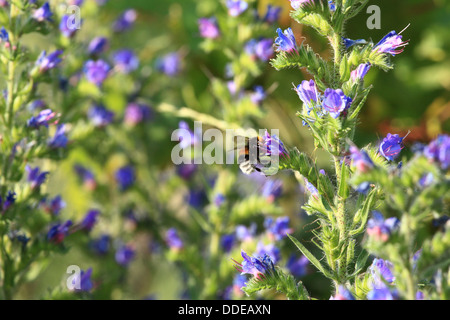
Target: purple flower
x,y
335,102
360,72
297,266
67,28
35,177
125,176
307,92
173,240
380,294
274,145
236,7
391,43
170,64
86,176
272,189
361,159
89,220
46,62
136,113
100,116
125,21
382,271
438,151
59,140
4,35
264,49
270,250
9,201
124,255
258,96
125,61
55,205
96,71
83,281
219,200
256,266
43,13
343,294
381,229
279,228
58,232
208,28
186,136
186,171
391,146
295,4
98,45
272,14
41,119
245,234
286,40
311,188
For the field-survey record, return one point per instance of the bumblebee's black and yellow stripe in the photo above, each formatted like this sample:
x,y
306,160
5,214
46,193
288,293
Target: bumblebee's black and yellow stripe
x,y
249,154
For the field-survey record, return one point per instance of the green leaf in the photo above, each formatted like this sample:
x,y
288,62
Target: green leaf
x,y
311,258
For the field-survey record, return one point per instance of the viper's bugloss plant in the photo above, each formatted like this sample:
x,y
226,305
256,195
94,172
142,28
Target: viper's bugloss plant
x,y
372,207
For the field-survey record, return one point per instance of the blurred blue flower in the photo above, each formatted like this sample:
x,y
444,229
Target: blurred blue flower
x,y
58,232
125,177
380,228
124,255
96,71
136,113
391,146
100,116
298,266
42,119
44,13
35,177
208,28
125,61
173,240
170,64
59,140
236,7
98,45
125,21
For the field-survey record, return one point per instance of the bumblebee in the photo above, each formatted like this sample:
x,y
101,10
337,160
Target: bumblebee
x,y
250,153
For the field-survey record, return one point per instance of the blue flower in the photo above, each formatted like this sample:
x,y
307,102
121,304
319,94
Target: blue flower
x,y
244,233
360,72
43,13
101,245
311,188
136,113
173,240
307,92
55,205
41,119
46,62
272,14
343,294
381,294
264,49
350,43
258,96
335,102
186,171
361,159
89,220
58,232
124,255
286,40
227,241
272,189
98,45
170,64
381,229
279,228
270,250
274,146
4,35
298,266
125,21
9,201
59,140
391,146
391,43
96,71
125,61
438,151
295,4
35,177
256,266
382,271
86,176
67,29
83,281
100,116
236,7
125,176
